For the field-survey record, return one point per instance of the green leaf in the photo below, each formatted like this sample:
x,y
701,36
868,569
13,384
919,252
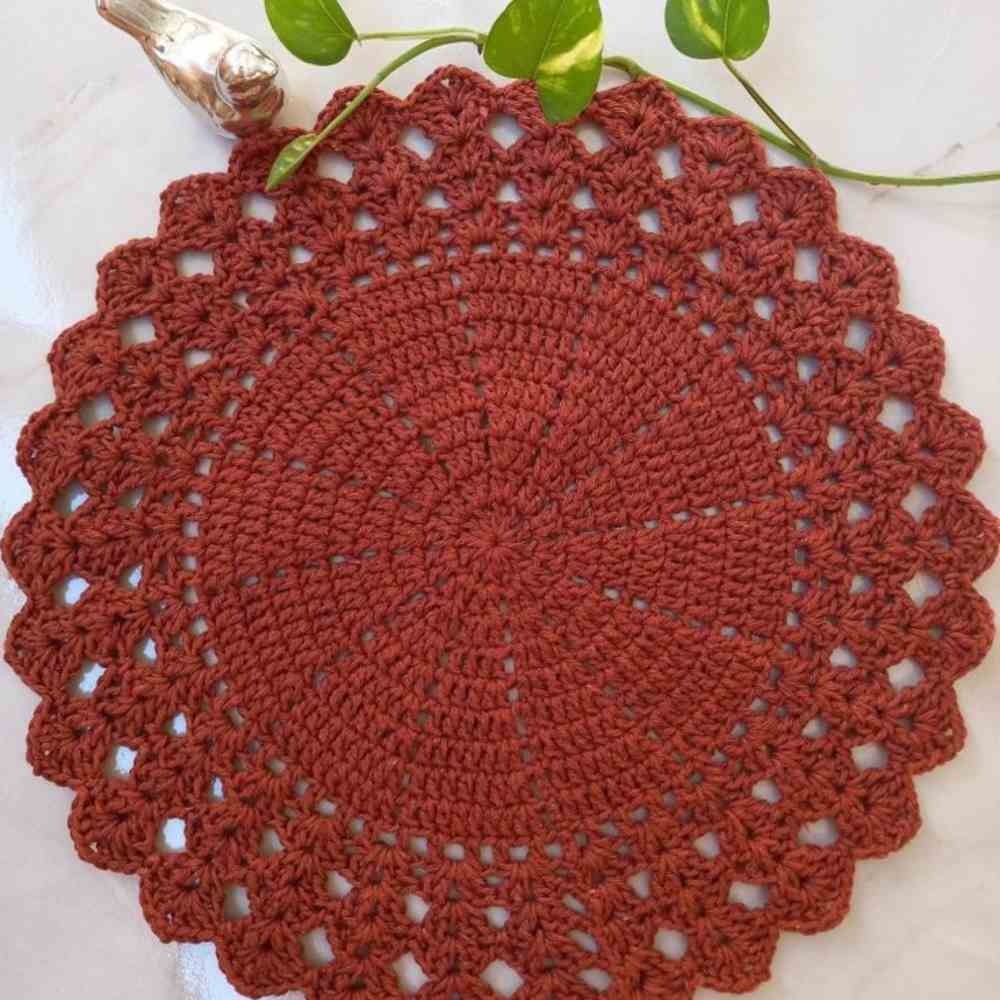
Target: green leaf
x,y
718,29
317,31
556,43
291,158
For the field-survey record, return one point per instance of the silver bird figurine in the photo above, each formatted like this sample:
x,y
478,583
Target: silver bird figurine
x,y
222,75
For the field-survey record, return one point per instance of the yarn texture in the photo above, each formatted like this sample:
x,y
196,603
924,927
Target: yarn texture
x,y
510,558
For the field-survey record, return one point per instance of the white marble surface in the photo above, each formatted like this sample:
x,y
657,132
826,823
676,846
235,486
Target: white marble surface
x,y
90,138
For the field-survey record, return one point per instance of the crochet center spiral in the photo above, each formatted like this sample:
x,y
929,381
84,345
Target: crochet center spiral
x,y
512,558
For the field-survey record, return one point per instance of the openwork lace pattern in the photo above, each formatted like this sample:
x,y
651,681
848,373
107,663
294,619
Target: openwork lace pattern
x,y
512,558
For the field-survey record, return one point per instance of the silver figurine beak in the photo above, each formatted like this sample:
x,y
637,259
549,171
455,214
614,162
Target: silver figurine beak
x,y
223,76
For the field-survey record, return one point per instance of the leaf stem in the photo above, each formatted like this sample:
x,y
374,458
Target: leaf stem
x,y
634,70
793,137
474,36
297,151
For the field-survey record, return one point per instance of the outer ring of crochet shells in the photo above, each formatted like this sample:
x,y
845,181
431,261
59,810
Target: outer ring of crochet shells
x,y
613,887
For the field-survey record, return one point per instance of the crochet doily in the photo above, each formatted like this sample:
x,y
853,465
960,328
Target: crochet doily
x,y
494,565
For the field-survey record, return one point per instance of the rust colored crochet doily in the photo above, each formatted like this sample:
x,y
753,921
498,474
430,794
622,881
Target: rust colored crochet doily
x,y
493,564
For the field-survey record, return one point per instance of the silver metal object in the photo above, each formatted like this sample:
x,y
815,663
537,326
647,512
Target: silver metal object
x,y
222,75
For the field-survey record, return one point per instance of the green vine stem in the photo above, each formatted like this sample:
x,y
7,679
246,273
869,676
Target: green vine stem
x,y
291,157
370,36
634,70
793,137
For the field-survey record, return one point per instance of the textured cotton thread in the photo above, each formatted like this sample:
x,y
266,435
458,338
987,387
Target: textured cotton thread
x,y
510,557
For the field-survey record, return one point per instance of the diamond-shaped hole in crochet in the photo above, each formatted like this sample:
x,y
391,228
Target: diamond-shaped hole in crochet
x,y
496,534
411,976
137,330
334,166
256,205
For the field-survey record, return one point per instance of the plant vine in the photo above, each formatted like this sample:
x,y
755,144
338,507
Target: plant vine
x,y
559,46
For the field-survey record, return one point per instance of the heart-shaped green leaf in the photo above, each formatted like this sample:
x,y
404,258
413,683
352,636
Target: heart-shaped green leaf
x,y
317,31
718,29
556,43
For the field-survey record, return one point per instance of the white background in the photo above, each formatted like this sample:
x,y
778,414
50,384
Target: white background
x,y
90,136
